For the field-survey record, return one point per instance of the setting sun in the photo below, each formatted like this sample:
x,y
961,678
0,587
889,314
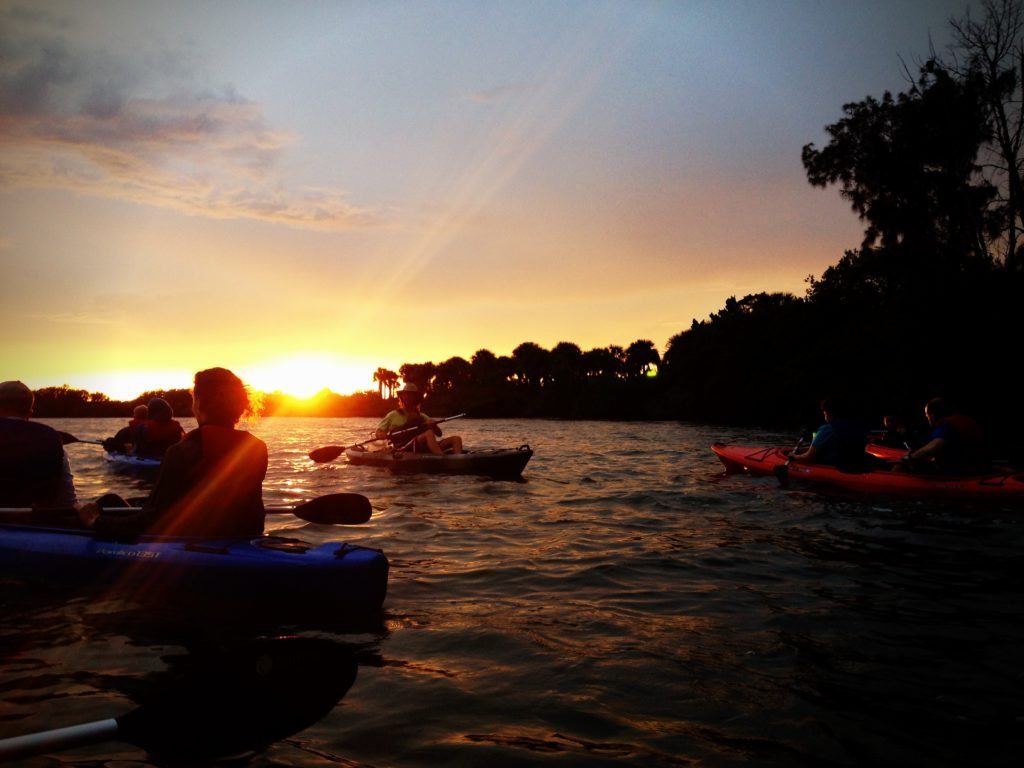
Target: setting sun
x,y
303,375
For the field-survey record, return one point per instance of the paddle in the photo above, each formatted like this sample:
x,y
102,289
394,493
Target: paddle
x,y
782,471
332,509
331,452
228,703
67,437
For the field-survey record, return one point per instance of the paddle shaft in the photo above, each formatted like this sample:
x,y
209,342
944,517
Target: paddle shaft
x,y
124,510
331,452
67,438
44,742
782,472
416,427
330,509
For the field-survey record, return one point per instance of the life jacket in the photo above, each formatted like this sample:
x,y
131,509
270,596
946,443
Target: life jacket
x,y
31,463
415,423
851,437
153,438
222,495
965,451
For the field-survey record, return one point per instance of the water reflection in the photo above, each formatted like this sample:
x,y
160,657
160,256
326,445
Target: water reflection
x,y
211,701
628,605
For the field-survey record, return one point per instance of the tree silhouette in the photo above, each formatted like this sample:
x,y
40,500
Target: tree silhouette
x,y
420,374
641,357
990,53
908,166
453,375
386,380
531,364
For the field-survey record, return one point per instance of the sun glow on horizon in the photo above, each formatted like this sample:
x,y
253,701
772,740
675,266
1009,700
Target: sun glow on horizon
x,y
123,385
303,375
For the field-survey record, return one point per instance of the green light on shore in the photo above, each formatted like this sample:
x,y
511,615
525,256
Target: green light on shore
x,y
652,371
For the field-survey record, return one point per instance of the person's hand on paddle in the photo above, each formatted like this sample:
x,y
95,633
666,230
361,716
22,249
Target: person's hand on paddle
x,y
87,513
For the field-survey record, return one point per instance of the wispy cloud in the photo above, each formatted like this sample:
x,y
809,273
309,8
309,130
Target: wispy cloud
x,y
143,130
500,92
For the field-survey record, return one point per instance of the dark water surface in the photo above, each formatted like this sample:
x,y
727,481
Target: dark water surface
x,y
628,604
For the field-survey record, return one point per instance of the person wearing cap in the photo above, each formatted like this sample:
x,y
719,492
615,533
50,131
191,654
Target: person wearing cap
x,y
34,469
424,433
125,438
159,432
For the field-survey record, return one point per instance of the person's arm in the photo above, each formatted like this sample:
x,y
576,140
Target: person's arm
x,y
929,449
66,496
170,485
384,426
812,454
806,456
432,424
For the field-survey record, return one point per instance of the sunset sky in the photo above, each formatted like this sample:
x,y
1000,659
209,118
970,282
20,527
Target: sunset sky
x,y
306,191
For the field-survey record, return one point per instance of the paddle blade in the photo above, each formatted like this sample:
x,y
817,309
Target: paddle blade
x,y
219,702
326,454
241,701
782,473
336,509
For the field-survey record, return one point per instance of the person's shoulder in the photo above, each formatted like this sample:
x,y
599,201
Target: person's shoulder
x,y
32,428
190,445
251,439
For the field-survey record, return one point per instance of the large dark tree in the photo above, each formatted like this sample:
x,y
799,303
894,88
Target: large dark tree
x,y
989,55
908,166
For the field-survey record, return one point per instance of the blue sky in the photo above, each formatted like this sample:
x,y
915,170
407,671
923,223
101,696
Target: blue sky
x,y
305,191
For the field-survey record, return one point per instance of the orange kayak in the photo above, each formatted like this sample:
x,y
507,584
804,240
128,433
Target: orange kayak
x,y
753,460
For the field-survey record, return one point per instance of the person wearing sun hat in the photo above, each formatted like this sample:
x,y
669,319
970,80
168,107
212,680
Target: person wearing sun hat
x,y
409,429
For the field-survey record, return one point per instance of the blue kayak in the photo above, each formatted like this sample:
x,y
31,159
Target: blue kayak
x,y
271,571
129,462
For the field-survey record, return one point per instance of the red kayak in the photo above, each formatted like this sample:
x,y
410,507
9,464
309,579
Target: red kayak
x,y
995,486
885,452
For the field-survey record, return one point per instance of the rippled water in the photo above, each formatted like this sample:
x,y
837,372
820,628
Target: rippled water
x,y
627,604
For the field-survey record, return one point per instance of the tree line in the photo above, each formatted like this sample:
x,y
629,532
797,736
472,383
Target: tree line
x,y
929,303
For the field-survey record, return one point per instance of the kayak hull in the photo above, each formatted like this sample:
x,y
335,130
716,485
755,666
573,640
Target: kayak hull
x,y
274,572
502,463
885,452
129,463
754,460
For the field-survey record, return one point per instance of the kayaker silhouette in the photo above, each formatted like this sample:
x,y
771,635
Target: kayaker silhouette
x,y
210,483
424,438
840,441
957,444
34,468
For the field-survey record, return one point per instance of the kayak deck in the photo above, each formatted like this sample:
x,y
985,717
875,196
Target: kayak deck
x,y
272,571
762,461
499,463
127,462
